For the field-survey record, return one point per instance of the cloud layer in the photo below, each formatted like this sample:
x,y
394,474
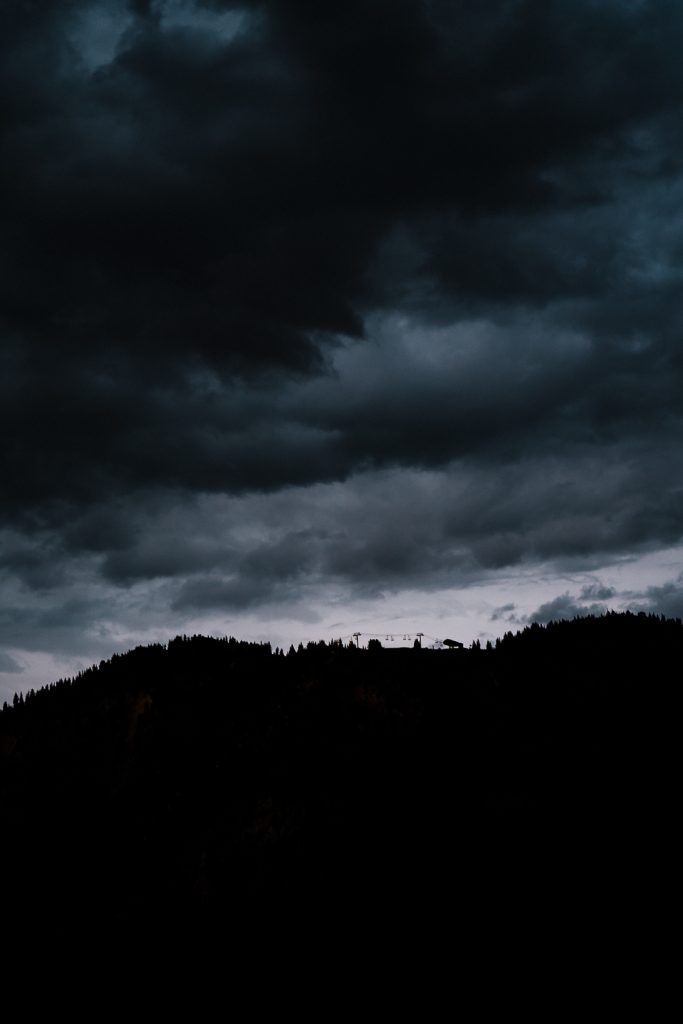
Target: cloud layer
x,y
366,296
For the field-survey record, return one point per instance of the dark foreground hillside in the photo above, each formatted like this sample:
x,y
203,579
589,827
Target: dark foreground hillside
x,y
213,782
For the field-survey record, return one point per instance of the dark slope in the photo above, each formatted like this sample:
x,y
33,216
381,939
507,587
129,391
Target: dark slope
x,y
214,781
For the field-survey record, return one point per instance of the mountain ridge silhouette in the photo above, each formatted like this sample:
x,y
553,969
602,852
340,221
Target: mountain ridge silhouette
x,y
205,778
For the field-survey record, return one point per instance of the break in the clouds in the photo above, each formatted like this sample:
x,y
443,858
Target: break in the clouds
x,y
309,310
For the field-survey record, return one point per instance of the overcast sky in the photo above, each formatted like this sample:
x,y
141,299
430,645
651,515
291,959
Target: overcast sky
x,y
324,316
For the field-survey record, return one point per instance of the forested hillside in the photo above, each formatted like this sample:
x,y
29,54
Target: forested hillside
x,y
204,779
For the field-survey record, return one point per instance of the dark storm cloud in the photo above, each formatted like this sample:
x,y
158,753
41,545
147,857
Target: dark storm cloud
x,y
399,278
597,591
504,612
666,599
9,664
564,607
379,531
